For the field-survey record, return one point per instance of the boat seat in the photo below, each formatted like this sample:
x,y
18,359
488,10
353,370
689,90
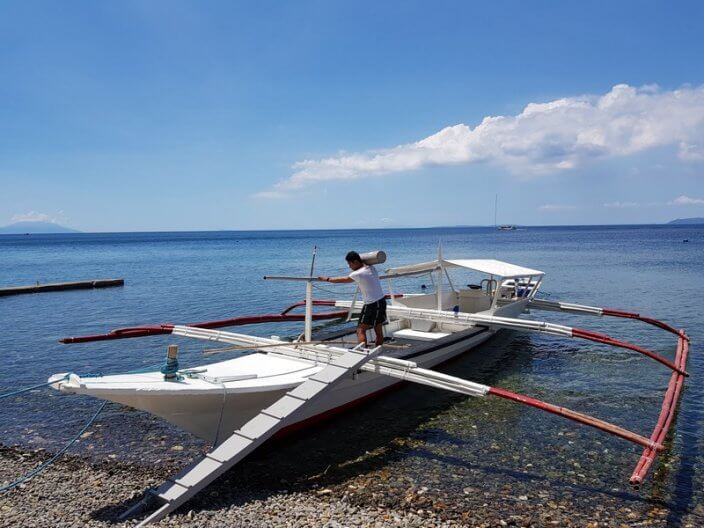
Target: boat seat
x,y
422,325
417,335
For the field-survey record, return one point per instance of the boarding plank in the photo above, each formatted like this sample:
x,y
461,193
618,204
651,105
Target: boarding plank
x,y
174,491
230,447
308,389
205,467
284,407
330,373
258,425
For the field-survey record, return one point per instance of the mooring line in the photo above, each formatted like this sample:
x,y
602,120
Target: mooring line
x,y
33,387
44,465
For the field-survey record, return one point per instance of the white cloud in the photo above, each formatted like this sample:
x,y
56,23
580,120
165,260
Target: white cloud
x,y
33,216
686,200
545,137
621,205
556,208
691,152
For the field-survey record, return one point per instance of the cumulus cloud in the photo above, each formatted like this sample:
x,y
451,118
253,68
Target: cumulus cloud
x,y
545,137
686,200
33,216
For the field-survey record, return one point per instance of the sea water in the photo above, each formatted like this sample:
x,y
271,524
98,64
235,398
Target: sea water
x,y
189,277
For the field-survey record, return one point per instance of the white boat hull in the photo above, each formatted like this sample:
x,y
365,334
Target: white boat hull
x,y
212,410
213,415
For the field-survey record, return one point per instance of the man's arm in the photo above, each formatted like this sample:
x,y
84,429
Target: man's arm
x,y
336,280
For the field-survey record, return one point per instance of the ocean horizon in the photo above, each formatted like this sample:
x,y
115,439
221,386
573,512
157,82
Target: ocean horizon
x,y
379,228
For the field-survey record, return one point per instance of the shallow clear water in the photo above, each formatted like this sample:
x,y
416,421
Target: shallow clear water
x,y
185,277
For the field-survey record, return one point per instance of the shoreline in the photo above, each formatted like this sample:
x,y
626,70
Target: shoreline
x,y
78,492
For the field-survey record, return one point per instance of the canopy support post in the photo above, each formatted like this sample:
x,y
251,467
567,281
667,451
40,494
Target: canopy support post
x,y
438,287
308,330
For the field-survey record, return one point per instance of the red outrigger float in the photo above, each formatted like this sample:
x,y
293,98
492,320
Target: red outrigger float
x,y
431,327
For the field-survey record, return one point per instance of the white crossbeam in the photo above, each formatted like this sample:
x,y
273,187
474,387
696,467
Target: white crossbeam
x,y
444,316
388,366
559,306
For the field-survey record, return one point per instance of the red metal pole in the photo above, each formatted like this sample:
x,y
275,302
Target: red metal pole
x,y
648,320
603,338
577,417
667,412
142,331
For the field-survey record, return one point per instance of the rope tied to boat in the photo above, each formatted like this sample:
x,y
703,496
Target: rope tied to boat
x,y
41,467
34,387
170,368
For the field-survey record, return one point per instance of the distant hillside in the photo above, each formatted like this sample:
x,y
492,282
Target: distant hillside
x,y
681,221
20,228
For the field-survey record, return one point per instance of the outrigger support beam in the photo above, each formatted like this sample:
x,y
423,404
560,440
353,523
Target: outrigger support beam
x,y
161,329
581,309
510,323
165,328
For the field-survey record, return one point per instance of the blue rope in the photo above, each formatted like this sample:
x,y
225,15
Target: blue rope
x,y
46,464
142,370
149,368
170,369
33,387
90,422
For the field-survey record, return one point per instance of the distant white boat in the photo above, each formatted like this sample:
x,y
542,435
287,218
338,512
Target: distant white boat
x,y
503,227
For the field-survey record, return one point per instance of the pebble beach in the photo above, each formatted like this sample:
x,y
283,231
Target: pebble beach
x,y
74,492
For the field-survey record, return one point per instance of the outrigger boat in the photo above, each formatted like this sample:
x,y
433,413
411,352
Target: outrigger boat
x,y
239,403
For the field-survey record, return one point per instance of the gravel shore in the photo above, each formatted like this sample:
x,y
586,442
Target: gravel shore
x,y
76,492
73,492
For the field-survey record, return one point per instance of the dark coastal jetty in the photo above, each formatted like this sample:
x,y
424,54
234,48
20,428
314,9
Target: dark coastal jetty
x,y
60,286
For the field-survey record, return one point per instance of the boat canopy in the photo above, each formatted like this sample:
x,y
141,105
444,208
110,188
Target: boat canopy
x,y
494,267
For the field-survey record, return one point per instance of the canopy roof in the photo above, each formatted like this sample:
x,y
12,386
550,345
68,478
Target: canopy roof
x,y
494,267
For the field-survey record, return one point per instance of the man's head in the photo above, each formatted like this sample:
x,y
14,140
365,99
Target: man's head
x,y
354,261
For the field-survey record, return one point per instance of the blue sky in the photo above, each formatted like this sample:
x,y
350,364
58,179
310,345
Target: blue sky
x,y
219,115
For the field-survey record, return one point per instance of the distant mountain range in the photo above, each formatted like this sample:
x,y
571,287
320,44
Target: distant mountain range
x,y
21,228
683,221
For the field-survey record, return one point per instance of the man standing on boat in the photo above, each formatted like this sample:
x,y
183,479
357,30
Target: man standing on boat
x,y
373,313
